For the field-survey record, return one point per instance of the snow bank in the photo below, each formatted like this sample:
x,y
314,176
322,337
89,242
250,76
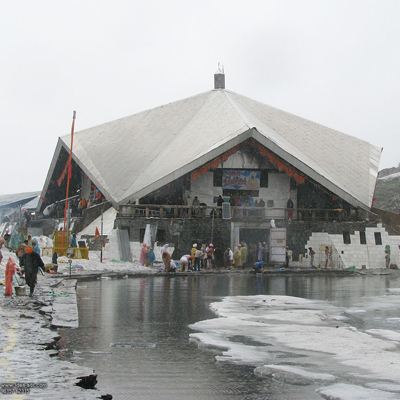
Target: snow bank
x,y
302,341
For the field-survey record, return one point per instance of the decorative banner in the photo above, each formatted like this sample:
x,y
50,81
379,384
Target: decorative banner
x,y
240,179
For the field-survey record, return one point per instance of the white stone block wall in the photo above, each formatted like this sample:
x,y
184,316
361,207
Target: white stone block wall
x,y
111,250
346,255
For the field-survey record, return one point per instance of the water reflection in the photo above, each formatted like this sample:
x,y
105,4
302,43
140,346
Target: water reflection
x,y
153,314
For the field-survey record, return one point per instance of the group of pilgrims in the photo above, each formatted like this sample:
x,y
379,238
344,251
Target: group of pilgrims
x,y
30,263
208,257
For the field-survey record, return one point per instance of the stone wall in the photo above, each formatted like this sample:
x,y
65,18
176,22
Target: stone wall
x,y
298,233
91,213
358,251
46,226
182,233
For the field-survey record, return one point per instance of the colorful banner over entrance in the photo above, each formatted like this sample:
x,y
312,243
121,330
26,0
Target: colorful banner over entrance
x,y
238,179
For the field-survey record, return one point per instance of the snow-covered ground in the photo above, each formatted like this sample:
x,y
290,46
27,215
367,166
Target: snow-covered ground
x,y
391,176
81,265
309,342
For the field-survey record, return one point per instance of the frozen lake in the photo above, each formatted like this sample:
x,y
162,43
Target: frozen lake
x,y
240,336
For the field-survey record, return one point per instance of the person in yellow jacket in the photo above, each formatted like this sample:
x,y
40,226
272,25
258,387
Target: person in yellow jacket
x,y
237,261
243,255
194,248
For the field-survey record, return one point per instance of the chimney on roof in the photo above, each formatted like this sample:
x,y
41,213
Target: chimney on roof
x,y
219,78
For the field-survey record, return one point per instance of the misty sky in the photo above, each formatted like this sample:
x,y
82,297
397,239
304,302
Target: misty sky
x,y
333,62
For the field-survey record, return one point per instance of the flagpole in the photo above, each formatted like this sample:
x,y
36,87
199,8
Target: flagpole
x,y
69,177
101,251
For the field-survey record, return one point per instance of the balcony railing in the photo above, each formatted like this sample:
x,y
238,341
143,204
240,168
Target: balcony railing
x,y
241,213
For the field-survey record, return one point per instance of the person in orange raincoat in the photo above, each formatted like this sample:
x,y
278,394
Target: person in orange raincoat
x,y
10,271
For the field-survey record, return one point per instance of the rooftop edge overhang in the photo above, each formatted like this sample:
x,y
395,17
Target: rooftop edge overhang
x,y
218,150
207,156
60,145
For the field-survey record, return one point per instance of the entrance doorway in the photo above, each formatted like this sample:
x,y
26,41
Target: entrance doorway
x,y
250,235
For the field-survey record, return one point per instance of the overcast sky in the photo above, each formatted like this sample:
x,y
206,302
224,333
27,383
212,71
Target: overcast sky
x,y
333,62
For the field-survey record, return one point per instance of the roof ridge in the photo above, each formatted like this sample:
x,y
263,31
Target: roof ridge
x,y
241,114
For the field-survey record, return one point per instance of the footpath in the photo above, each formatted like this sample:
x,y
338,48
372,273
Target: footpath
x,y
29,364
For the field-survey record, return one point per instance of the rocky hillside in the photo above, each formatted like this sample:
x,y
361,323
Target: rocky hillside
x,y
387,190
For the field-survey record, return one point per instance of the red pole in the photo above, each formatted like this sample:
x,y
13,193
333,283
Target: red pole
x,y
69,177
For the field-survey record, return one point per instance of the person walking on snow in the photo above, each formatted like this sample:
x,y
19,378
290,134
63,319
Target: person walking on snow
x,y
31,262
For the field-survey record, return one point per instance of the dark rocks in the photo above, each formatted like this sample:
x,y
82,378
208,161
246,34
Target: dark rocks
x,y
87,382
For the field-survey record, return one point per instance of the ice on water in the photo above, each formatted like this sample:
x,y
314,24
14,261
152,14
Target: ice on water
x,y
309,342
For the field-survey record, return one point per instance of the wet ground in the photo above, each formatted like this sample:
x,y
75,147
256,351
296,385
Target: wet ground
x,y
29,363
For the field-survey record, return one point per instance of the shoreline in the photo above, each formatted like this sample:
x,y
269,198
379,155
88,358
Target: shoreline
x,y
93,275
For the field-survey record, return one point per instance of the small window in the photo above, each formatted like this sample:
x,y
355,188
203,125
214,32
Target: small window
x,y
226,211
363,238
217,177
270,203
264,178
160,236
346,237
378,238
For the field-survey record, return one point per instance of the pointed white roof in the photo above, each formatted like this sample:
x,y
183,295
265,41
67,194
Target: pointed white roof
x,y
13,200
133,156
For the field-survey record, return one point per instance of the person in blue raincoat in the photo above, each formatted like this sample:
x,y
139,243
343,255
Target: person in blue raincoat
x,y
151,257
73,241
35,246
258,267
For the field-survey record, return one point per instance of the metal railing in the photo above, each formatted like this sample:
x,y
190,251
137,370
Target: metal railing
x,y
240,213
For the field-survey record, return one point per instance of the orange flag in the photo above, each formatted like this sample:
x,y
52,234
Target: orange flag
x,y
96,234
